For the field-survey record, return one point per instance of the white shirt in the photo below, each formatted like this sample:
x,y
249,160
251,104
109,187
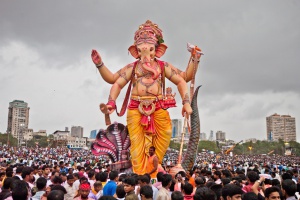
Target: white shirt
x,y
70,191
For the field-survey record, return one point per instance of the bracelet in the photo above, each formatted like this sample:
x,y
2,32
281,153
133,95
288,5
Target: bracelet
x,y
112,103
193,59
185,101
100,65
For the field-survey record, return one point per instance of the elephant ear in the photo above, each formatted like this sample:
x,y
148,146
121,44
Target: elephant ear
x,y
160,50
133,51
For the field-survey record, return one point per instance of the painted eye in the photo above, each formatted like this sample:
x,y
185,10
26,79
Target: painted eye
x,y
139,50
151,48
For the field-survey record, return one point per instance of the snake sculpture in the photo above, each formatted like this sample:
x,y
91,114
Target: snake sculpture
x,y
114,141
192,147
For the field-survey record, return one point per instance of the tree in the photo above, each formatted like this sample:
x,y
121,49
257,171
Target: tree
x,y
12,141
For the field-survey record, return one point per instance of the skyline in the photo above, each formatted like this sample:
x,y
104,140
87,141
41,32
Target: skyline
x,y
89,132
248,71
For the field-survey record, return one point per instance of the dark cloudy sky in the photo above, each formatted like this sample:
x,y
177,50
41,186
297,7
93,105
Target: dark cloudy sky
x,y
250,69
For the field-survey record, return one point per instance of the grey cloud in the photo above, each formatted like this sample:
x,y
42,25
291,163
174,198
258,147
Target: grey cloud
x,y
250,47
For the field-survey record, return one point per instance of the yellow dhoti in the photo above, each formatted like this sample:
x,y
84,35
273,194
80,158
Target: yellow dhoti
x,y
141,140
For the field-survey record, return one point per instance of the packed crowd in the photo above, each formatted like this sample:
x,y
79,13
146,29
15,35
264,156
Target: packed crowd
x,y
48,173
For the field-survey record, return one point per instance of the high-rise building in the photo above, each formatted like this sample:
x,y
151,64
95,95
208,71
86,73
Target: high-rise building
x,y
220,136
93,134
77,131
281,127
202,136
18,119
211,136
176,128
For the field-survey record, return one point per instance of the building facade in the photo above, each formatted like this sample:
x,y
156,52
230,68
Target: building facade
x,y
18,119
220,136
93,134
281,127
202,136
176,128
77,131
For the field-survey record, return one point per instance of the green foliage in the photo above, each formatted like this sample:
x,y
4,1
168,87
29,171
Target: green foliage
x,y
265,147
208,145
12,141
42,141
176,145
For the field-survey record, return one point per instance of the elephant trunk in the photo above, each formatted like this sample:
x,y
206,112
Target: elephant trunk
x,y
191,153
147,66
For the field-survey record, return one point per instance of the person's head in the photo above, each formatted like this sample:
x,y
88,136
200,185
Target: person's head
x,y
76,176
84,189
129,184
54,173
295,172
226,173
146,192
159,176
289,188
19,170
56,180
252,176
63,176
2,175
70,170
151,151
20,190
27,174
120,192
204,193
166,180
56,195
7,183
143,180
58,187
199,181
41,183
46,170
231,192
97,186
113,176
176,195
91,174
40,171
101,176
276,182
225,181
187,188
62,164
217,188
70,179
83,179
286,175
272,193
217,175
249,196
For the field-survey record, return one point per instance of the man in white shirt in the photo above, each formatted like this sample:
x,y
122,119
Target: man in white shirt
x,y
70,188
27,175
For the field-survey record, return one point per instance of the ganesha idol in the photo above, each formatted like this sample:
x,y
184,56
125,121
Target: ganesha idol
x,y
148,120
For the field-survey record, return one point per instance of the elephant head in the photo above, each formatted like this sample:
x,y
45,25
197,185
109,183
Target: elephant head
x,y
148,44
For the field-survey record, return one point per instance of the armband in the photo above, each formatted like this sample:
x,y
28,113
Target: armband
x,y
193,59
186,99
112,103
100,65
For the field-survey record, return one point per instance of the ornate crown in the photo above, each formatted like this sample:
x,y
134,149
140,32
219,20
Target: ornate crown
x,y
149,33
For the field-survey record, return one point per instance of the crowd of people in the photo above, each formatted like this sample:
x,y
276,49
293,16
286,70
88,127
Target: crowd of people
x,y
60,173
